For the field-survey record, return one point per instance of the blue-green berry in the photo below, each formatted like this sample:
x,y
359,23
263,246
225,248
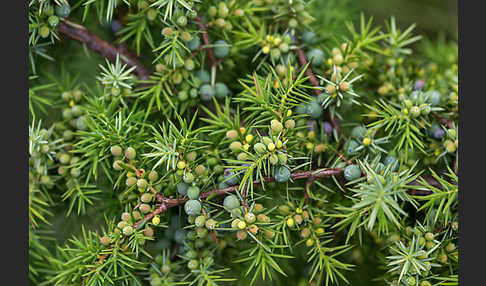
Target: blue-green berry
x,y
309,37
206,92
221,90
194,44
315,56
193,193
358,132
192,207
222,49
182,188
230,178
314,110
352,172
282,174
231,202
63,11
203,76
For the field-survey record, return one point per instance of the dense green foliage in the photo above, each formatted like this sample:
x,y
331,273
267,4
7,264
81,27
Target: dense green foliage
x,y
264,142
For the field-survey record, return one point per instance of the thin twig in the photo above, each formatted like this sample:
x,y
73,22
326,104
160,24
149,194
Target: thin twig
x,y
104,48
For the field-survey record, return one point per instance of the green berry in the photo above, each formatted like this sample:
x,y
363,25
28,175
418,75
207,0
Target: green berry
x,y
314,110
188,178
127,230
193,193
117,166
200,220
130,153
203,75
352,172
116,150
182,188
144,208
194,44
153,176
63,11
221,90
260,148
276,126
64,158
282,174
206,92
105,240
429,236
192,207
193,264
131,181
146,198
411,281
142,183
182,21
75,172
53,20
315,56
222,49
210,224
165,269
309,37
231,202
359,132
250,217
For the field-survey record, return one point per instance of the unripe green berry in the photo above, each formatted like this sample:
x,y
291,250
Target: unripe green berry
x,y
221,50
193,193
63,11
259,148
282,174
130,153
144,208
221,90
127,230
250,217
192,207
75,172
200,220
142,183
193,264
131,181
188,177
153,176
105,240
450,247
276,126
116,150
146,198
231,202
53,20
352,172
235,146
165,269
210,224
206,92
182,21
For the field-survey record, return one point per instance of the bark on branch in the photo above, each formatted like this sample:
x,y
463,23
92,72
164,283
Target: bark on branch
x,y
104,48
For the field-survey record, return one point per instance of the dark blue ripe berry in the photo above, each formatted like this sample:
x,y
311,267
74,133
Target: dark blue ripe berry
x,y
282,174
63,11
221,49
327,128
206,92
229,179
314,110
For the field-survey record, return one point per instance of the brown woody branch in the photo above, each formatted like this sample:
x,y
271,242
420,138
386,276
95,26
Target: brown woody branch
x,y
104,48
207,43
315,82
166,203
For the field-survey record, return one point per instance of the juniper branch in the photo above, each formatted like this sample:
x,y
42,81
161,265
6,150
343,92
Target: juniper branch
x,y
85,36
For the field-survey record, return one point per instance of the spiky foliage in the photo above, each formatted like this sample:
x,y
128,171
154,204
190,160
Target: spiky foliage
x,y
239,143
